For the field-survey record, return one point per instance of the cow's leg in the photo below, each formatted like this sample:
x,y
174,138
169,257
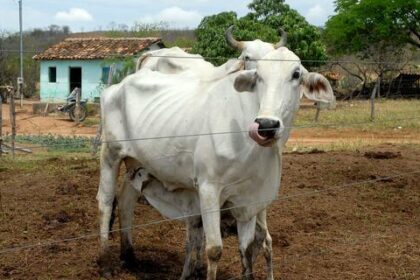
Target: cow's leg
x,y
127,203
210,211
247,246
262,231
106,193
193,253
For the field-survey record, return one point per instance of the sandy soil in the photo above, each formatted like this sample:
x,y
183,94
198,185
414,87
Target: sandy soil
x,y
366,231
54,123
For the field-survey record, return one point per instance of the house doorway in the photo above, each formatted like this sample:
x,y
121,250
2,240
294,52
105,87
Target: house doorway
x,y
75,78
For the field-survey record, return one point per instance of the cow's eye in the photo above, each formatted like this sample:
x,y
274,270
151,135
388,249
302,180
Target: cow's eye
x,y
296,75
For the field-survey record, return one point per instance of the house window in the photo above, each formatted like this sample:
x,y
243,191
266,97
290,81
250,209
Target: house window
x,y
52,74
105,74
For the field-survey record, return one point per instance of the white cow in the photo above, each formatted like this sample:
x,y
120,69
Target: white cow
x,y
176,60
212,170
173,61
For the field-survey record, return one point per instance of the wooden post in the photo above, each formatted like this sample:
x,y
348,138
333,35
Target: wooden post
x,y
13,121
372,101
97,140
318,110
77,109
1,124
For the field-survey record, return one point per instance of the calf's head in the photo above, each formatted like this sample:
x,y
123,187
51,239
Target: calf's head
x,y
279,80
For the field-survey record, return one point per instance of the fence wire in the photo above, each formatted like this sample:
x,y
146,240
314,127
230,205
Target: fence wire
x,y
196,57
245,132
44,243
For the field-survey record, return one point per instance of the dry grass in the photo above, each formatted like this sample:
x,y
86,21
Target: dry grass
x,y
390,114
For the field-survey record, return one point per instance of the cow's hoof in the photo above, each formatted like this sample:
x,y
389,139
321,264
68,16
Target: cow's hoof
x,y
129,259
104,263
199,272
106,275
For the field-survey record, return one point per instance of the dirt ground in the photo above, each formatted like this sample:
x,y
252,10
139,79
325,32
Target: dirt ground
x,y
364,231
54,123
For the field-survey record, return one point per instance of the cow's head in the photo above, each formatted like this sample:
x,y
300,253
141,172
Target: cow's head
x,y
279,80
253,50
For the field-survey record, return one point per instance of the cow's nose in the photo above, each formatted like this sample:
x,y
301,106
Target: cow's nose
x,y
267,127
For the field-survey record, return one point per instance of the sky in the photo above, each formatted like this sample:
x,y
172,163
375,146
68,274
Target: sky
x,y
87,15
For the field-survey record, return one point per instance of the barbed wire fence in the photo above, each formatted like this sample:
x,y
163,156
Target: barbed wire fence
x,y
97,142
81,142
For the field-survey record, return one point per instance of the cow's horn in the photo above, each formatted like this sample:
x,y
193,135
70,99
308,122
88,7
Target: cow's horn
x,y
283,39
231,41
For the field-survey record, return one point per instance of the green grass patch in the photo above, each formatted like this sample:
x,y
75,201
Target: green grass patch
x,y
390,114
88,122
73,144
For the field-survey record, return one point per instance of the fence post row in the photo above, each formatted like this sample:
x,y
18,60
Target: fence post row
x,y
1,124
77,111
372,100
13,121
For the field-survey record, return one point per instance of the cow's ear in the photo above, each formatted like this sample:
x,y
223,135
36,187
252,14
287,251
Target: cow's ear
x,y
246,81
316,87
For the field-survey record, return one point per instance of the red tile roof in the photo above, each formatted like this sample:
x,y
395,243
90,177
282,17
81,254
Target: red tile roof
x,y
96,48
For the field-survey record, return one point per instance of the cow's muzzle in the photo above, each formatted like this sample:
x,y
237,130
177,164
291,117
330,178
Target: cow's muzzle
x,y
264,131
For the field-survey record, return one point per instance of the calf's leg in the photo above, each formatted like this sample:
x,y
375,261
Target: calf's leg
x,y
247,246
127,203
193,248
263,240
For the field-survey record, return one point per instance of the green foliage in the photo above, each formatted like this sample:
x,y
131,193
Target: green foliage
x,y
369,26
263,22
263,9
124,66
54,143
304,39
181,42
211,42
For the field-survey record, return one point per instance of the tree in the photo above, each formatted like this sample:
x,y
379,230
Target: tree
x,y
210,33
263,22
368,26
376,31
304,39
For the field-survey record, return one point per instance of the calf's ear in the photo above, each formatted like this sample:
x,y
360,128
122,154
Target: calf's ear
x,y
316,87
246,81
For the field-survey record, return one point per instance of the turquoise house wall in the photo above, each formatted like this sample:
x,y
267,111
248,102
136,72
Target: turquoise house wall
x,y
58,91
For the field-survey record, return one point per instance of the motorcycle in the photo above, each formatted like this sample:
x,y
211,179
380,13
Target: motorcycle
x,y
70,107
